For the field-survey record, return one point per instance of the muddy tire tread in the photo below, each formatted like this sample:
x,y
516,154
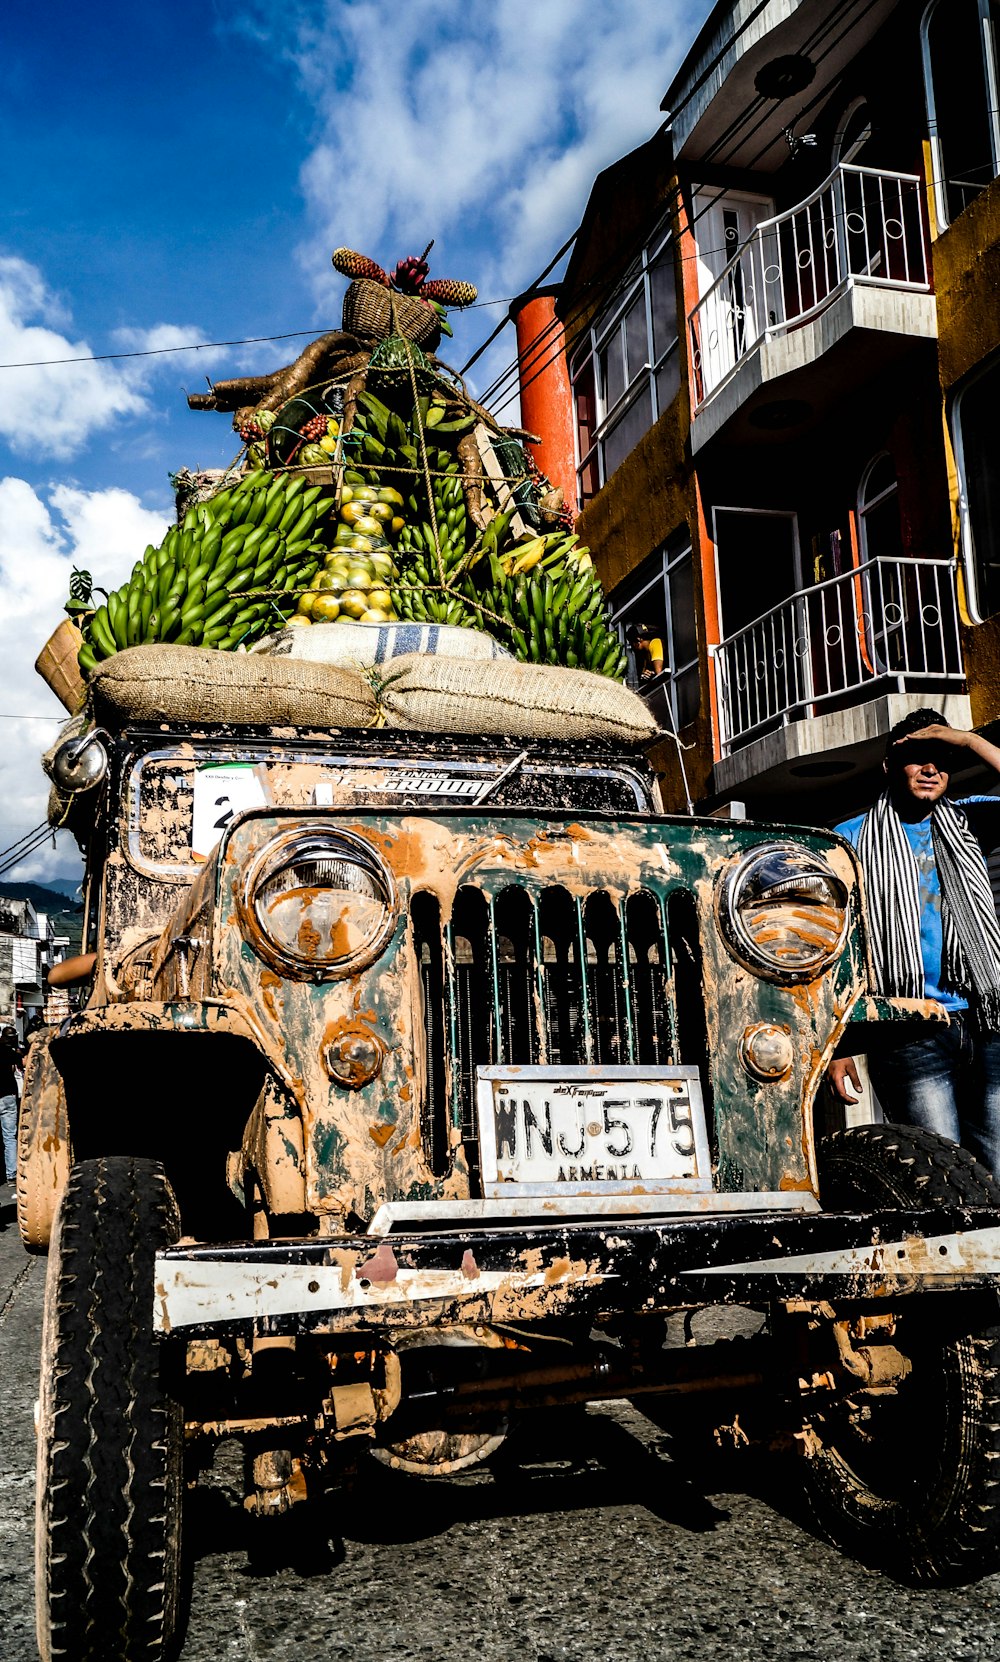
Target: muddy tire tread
x,y
915,1167
110,1444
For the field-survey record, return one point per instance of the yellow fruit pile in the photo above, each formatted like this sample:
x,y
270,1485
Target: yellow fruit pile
x,y
354,585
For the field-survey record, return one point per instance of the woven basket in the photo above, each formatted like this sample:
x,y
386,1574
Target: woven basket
x,y
372,312
57,664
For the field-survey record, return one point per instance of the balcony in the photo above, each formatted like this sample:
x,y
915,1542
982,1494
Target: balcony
x,y
890,625
852,256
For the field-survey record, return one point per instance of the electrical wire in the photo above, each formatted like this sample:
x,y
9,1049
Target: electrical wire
x,y
210,345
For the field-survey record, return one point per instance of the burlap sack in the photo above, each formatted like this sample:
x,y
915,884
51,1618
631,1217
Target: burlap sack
x,y
360,645
525,701
196,684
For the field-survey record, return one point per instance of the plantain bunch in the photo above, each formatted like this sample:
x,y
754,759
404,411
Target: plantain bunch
x,y
225,575
542,598
549,607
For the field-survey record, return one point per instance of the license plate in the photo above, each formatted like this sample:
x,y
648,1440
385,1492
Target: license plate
x,y
591,1130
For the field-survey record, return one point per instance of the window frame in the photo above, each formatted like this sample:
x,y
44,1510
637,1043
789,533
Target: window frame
x,y
864,506
653,575
989,46
636,280
967,541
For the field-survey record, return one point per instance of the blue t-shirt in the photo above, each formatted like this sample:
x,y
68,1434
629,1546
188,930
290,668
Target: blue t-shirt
x,y
919,837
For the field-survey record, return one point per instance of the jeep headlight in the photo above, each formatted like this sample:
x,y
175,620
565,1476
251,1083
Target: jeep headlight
x,y
783,912
317,902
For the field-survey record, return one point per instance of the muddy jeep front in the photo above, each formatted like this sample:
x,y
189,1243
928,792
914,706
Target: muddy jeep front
x,y
420,1101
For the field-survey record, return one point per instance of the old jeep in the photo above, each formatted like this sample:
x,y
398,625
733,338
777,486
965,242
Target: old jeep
x,y
420,1083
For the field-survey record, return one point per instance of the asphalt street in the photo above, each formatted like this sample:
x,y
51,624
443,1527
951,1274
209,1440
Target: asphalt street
x,y
584,1545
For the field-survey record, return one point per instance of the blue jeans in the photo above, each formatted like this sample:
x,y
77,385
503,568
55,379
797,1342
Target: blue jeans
x,y
8,1128
948,1083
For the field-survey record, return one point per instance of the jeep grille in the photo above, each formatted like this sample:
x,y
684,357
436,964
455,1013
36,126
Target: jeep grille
x,y
544,978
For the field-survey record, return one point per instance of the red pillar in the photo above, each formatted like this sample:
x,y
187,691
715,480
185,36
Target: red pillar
x,y
546,397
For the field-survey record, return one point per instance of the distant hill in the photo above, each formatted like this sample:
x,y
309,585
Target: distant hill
x,y
59,896
63,885
56,901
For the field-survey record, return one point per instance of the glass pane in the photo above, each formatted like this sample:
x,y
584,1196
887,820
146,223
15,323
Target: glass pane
x,y
880,478
636,343
961,106
668,382
664,299
627,432
612,370
687,690
881,532
586,406
682,626
981,479
589,484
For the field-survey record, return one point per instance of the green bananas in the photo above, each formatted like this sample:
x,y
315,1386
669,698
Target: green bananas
x,y
552,610
207,584
545,601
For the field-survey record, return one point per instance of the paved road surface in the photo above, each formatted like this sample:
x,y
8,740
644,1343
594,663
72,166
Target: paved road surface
x,y
608,1559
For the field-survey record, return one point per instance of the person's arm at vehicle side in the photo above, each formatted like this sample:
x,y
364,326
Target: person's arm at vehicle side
x,y
843,1077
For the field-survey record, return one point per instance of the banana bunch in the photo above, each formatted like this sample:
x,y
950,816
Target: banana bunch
x,y
552,605
204,585
543,598
417,602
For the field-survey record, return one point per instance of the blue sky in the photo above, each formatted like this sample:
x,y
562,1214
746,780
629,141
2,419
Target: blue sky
x,y
180,172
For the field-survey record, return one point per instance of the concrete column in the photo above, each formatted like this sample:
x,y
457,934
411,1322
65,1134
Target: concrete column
x,y
546,396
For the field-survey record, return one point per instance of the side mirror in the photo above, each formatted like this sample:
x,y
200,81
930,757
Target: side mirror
x,y
80,764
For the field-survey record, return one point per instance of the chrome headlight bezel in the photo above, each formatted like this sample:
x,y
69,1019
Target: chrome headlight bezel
x,y
297,846
808,878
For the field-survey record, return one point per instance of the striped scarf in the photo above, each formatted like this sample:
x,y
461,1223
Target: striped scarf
x,y
971,956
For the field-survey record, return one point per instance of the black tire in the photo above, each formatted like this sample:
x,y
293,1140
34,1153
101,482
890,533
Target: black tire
x,y
110,1434
911,1482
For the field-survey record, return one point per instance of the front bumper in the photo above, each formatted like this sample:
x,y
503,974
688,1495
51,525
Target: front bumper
x,y
348,1283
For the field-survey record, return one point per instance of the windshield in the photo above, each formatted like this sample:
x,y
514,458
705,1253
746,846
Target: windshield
x,y
179,802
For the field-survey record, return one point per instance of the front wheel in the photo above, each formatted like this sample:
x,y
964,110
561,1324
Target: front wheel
x,y
910,1480
110,1433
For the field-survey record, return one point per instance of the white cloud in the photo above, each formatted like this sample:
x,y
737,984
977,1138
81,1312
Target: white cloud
x,y
470,116
50,410
40,542
53,409
171,342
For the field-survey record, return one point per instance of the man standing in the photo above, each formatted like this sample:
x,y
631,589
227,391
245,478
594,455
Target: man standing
x,y
10,1063
934,934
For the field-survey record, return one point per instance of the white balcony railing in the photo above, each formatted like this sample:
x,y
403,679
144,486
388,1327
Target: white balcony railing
x,y
860,226
888,621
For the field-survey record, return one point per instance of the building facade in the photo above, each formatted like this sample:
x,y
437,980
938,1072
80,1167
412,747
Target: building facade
x,y
780,339
28,949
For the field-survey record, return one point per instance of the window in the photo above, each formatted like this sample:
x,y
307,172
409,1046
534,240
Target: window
x,y
653,611
878,511
854,131
960,40
625,371
977,453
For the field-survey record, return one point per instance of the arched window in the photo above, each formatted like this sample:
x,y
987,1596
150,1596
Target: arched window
x,y
878,511
854,129
977,455
960,41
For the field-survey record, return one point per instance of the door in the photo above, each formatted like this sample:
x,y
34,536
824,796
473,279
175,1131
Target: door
x,y
737,272
765,654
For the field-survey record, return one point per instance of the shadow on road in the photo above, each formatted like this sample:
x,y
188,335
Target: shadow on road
x,y
561,1462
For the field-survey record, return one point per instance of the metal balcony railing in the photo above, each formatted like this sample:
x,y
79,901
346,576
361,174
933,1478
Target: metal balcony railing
x,y
861,226
893,622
